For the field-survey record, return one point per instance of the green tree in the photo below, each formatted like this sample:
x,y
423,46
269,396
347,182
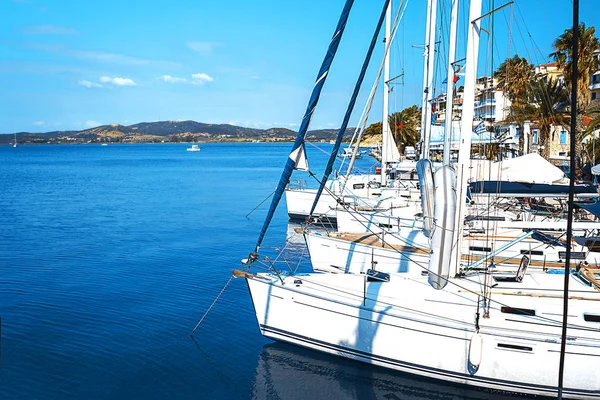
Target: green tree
x,y
373,130
593,146
547,105
405,126
514,76
587,64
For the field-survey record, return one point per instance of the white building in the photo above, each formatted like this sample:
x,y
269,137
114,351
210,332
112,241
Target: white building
x,y
491,105
595,80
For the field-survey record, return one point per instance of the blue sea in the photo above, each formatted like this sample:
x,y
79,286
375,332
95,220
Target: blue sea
x,y
110,255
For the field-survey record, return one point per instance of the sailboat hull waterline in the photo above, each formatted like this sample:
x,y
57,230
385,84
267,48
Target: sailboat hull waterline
x,y
406,325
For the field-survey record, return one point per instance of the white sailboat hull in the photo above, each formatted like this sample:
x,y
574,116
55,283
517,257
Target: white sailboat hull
x,y
344,255
355,252
406,325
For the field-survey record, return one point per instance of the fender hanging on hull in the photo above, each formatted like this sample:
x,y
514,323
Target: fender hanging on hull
x,y
443,232
425,172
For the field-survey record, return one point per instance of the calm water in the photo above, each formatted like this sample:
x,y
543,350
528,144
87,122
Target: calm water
x,y
109,256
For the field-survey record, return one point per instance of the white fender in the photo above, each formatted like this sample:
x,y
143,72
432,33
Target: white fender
x,y
475,350
443,231
424,171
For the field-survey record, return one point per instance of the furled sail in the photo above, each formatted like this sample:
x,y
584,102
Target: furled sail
x,y
291,162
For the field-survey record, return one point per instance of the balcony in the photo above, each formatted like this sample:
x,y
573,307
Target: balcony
x,y
483,103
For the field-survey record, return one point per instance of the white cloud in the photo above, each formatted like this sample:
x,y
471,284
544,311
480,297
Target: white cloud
x,y
117,81
170,79
99,56
88,84
255,77
92,124
38,123
48,30
201,79
203,47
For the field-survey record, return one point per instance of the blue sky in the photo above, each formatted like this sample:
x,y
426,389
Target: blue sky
x,y
77,64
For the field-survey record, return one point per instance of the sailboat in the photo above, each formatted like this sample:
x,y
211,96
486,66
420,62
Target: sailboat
x,y
381,191
472,326
15,142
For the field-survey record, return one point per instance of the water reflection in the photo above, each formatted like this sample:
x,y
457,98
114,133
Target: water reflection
x,y
290,372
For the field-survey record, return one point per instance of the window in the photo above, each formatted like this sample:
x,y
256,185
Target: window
x,y
563,137
535,137
593,95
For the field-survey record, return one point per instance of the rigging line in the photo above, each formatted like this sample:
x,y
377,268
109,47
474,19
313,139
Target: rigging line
x,y
466,290
438,316
260,204
318,148
414,310
523,39
367,109
350,107
404,240
529,33
298,146
403,254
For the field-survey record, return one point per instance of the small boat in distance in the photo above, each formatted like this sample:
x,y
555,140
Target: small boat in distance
x,y
348,151
15,143
194,147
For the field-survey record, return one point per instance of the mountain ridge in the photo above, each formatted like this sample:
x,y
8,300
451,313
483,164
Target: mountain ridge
x,y
168,131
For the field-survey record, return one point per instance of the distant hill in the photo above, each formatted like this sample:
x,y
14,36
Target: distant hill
x,y
168,131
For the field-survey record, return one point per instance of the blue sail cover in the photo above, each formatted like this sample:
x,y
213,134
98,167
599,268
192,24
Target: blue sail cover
x,y
591,205
340,135
297,152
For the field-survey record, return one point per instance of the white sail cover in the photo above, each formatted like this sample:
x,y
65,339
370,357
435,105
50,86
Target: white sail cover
x,y
530,168
300,160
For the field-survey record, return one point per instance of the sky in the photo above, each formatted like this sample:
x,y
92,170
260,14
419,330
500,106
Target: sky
x,y
71,65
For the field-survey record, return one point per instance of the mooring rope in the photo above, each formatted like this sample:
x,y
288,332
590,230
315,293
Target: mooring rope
x,y
211,306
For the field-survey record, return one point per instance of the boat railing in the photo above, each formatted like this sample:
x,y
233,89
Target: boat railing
x,y
299,184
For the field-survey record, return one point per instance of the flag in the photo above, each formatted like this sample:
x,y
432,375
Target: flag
x,y
456,77
480,128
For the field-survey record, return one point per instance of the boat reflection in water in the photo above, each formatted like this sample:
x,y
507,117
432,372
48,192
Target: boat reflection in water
x,y
289,372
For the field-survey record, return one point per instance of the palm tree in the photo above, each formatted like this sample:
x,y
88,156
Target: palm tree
x,y
587,63
593,146
548,103
405,126
513,76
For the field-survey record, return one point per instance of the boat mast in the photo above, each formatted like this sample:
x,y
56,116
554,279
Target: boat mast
x,y
297,155
573,138
466,131
385,123
342,130
450,80
428,76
